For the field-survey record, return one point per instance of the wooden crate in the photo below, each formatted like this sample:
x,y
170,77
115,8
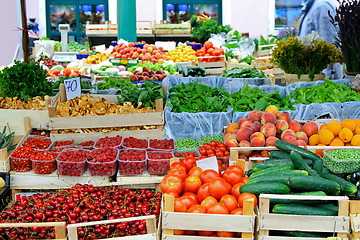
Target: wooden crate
x,y
112,28
355,219
144,180
278,79
167,28
212,68
264,53
93,29
287,222
206,222
150,227
60,229
293,78
262,63
144,27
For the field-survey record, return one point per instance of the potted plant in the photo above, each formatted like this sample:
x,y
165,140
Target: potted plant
x,y
346,20
303,58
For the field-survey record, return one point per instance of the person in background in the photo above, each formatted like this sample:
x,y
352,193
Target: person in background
x,y
315,17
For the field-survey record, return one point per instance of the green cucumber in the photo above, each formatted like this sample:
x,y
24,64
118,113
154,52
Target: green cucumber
x,y
272,163
299,163
288,147
299,209
278,154
282,177
330,207
311,183
318,166
296,201
271,188
305,234
273,169
249,173
281,172
346,188
308,161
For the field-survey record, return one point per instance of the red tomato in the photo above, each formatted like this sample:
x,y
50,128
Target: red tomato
x,y
203,192
171,184
213,143
229,201
207,146
192,195
235,190
192,183
178,172
189,162
236,168
225,234
66,72
217,52
208,202
202,151
179,206
195,171
232,177
244,180
202,157
207,175
210,51
172,193
237,211
56,72
218,208
244,196
188,201
197,209
177,165
219,187
208,44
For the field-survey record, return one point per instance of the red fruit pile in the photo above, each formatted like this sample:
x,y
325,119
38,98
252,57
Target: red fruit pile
x,y
43,133
159,162
185,154
132,161
209,53
109,142
147,53
82,203
147,74
44,162
87,145
132,142
162,144
41,143
20,159
72,162
63,143
214,148
102,161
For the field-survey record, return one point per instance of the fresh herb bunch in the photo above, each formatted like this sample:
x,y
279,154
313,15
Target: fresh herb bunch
x,y
147,94
115,83
6,139
202,30
306,56
330,92
195,97
24,80
346,20
83,84
263,41
248,99
77,47
243,73
247,59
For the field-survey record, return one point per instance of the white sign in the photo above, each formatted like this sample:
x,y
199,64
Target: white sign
x,y
208,163
72,88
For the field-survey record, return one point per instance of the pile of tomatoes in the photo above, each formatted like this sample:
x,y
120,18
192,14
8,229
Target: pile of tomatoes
x,y
209,53
214,148
198,191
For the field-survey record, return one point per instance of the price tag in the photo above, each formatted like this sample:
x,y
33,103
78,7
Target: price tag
x,y
208,163
72,88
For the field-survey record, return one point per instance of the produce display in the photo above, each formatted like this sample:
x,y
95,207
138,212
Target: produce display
x,y
65,72
208,139
83,84
115,83
149,52
218,149
192,71
102,161
142,74
182,53
159,162
342,160
186,143
97,58
72,162
209,53
132,161
243,73
167,66
7,138
83,203
35,103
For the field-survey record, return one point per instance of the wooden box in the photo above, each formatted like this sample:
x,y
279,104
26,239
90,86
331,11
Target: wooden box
x,y
112,28
264,53
167,28
293,78
93,29
60,229
212,68
206,222
144,27
340,225
355,219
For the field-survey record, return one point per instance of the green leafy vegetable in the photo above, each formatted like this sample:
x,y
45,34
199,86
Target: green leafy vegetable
x,y
202,30
77,47
6,139
115,83
171,68
243,73
247,59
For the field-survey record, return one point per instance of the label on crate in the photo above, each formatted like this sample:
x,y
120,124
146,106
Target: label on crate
x,y
208,163
72,88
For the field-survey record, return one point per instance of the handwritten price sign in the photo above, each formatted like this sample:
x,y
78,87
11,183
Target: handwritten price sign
x,y
72,88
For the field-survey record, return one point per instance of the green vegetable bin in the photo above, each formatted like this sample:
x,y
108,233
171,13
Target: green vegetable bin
x,y
344,165
124,61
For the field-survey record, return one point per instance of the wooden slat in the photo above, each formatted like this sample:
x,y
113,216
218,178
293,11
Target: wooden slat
x,y
343,212
288,238
264,207
248,210
118,120
306,223
168,208
355,218
301,197
308,147
184,237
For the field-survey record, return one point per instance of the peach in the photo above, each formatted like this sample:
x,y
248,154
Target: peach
x,y
257,116
244,134
302,136
245,144
232,136
252,113
231,143
288,132
258,140
289,139
246,124
243,157
281,125
272,109
270,141
268,117
310,128
256,126
232,127
256,134
241,120
227,136
264,153
295,126
285,116
300,143
235,131
268,130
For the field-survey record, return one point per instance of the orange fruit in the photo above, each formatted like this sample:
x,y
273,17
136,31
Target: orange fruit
x,y
326,136
355,141
325,126
357,130
348,144
357,122
337,142
314,140
345,135
320,152
335,127
348,123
